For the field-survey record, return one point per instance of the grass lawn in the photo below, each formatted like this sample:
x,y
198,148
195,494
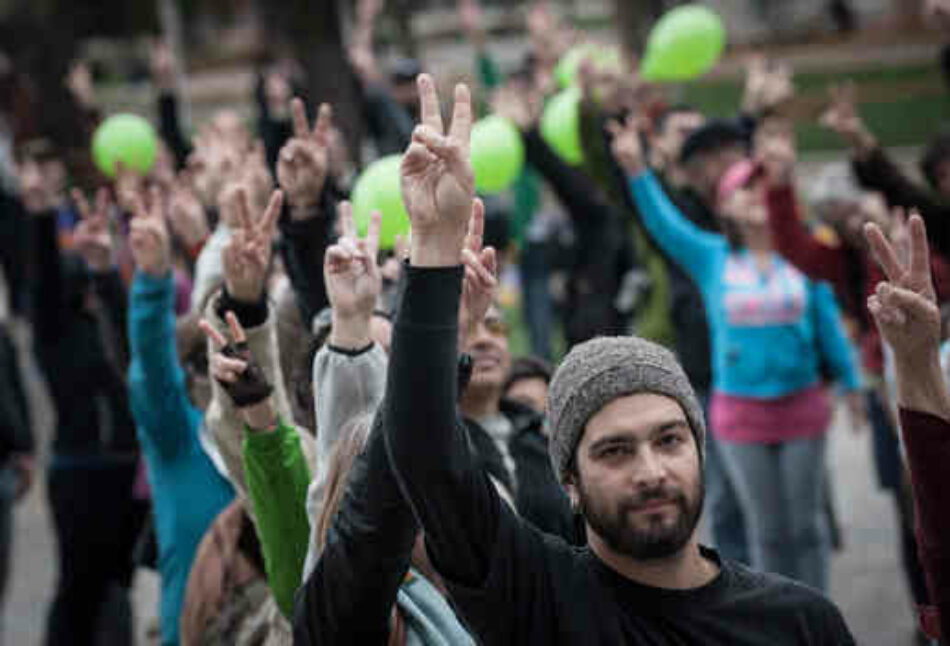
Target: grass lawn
x,y
904,106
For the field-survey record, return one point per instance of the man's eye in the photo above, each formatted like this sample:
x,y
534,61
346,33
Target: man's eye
x,y
670,440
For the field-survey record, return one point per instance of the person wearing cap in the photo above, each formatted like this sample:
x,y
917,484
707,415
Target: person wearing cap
x,y
627,436
772,332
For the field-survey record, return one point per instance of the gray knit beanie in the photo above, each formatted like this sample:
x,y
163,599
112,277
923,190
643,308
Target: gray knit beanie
x,y
598,371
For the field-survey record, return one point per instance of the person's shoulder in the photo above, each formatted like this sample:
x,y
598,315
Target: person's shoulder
x,y
774,593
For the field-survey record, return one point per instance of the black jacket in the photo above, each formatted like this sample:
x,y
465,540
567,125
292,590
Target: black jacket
x,y
538,496
16,434
604,251
81,349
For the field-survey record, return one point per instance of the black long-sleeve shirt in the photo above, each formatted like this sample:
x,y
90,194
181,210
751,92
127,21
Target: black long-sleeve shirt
x,y
303,245
515,585
170,128
604,251
349,597
878,172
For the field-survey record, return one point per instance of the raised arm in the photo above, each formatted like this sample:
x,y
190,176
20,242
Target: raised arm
x,y
813,258
876,171
349,372
429,450
307,225
906,313
245,260
159,399
688,245
271,456
163,76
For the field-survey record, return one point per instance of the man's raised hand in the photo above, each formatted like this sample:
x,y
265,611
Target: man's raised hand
x,y
905,306
91,238
185,213
148,238
246,256
353,281
437,181
235,369
626,146
303,161
481,281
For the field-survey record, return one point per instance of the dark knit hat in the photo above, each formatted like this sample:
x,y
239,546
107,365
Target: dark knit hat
x,y
598,371
714,135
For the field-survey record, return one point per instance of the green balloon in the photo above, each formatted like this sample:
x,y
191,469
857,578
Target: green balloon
x,y
497,154
684,44
603,58
378,188
561,125
126,138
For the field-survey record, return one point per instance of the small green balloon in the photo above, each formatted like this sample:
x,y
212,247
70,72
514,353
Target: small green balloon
x,y
603,57
126,138
378,188
684,44
497,154
561,125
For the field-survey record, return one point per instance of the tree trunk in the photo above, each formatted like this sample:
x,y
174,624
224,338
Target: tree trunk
x,y
635,19
313,30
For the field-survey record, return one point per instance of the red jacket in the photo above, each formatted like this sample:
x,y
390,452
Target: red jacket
x,y
927,440
821,261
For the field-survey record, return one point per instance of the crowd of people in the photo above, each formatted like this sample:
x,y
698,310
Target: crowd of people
x,y
314,440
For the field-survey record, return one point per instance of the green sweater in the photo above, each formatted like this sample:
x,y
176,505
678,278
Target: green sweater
x,y
277,480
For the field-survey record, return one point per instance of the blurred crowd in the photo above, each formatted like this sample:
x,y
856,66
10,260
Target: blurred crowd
x,y
314,440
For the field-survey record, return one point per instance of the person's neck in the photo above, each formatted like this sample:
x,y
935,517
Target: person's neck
x,y
478,404
759,242
685,570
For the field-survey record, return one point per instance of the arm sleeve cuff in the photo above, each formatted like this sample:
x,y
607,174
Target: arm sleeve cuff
x,y
248,314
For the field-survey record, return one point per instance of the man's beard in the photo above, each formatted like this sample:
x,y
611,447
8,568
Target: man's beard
x,y
616,528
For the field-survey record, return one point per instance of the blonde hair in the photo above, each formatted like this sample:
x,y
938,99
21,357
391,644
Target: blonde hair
x,y
353,437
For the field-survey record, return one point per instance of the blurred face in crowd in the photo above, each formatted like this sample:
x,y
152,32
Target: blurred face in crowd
x,y
668,142
637,478
488,347
46,172
746,207
848,218
704,170
406,94
530,391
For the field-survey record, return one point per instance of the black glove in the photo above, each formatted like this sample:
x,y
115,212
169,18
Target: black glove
x,y
251,386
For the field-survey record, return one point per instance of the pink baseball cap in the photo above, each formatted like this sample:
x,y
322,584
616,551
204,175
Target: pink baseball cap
x,y
736,176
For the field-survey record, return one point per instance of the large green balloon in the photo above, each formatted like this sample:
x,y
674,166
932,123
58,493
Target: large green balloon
x,y
684,44
603,58
126,138
561,125
378,189
497,154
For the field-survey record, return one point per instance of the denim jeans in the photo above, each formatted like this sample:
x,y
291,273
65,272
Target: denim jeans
x,y
722,509
781,490
537,306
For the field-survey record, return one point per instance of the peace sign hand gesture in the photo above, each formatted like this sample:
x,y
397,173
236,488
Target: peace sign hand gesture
x,y
246,256
437,181
480,285
242,378
151,249
91,237
304,159
905,307
353,280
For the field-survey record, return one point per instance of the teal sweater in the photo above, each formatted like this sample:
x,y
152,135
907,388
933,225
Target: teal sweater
x,y
771,331
187,491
